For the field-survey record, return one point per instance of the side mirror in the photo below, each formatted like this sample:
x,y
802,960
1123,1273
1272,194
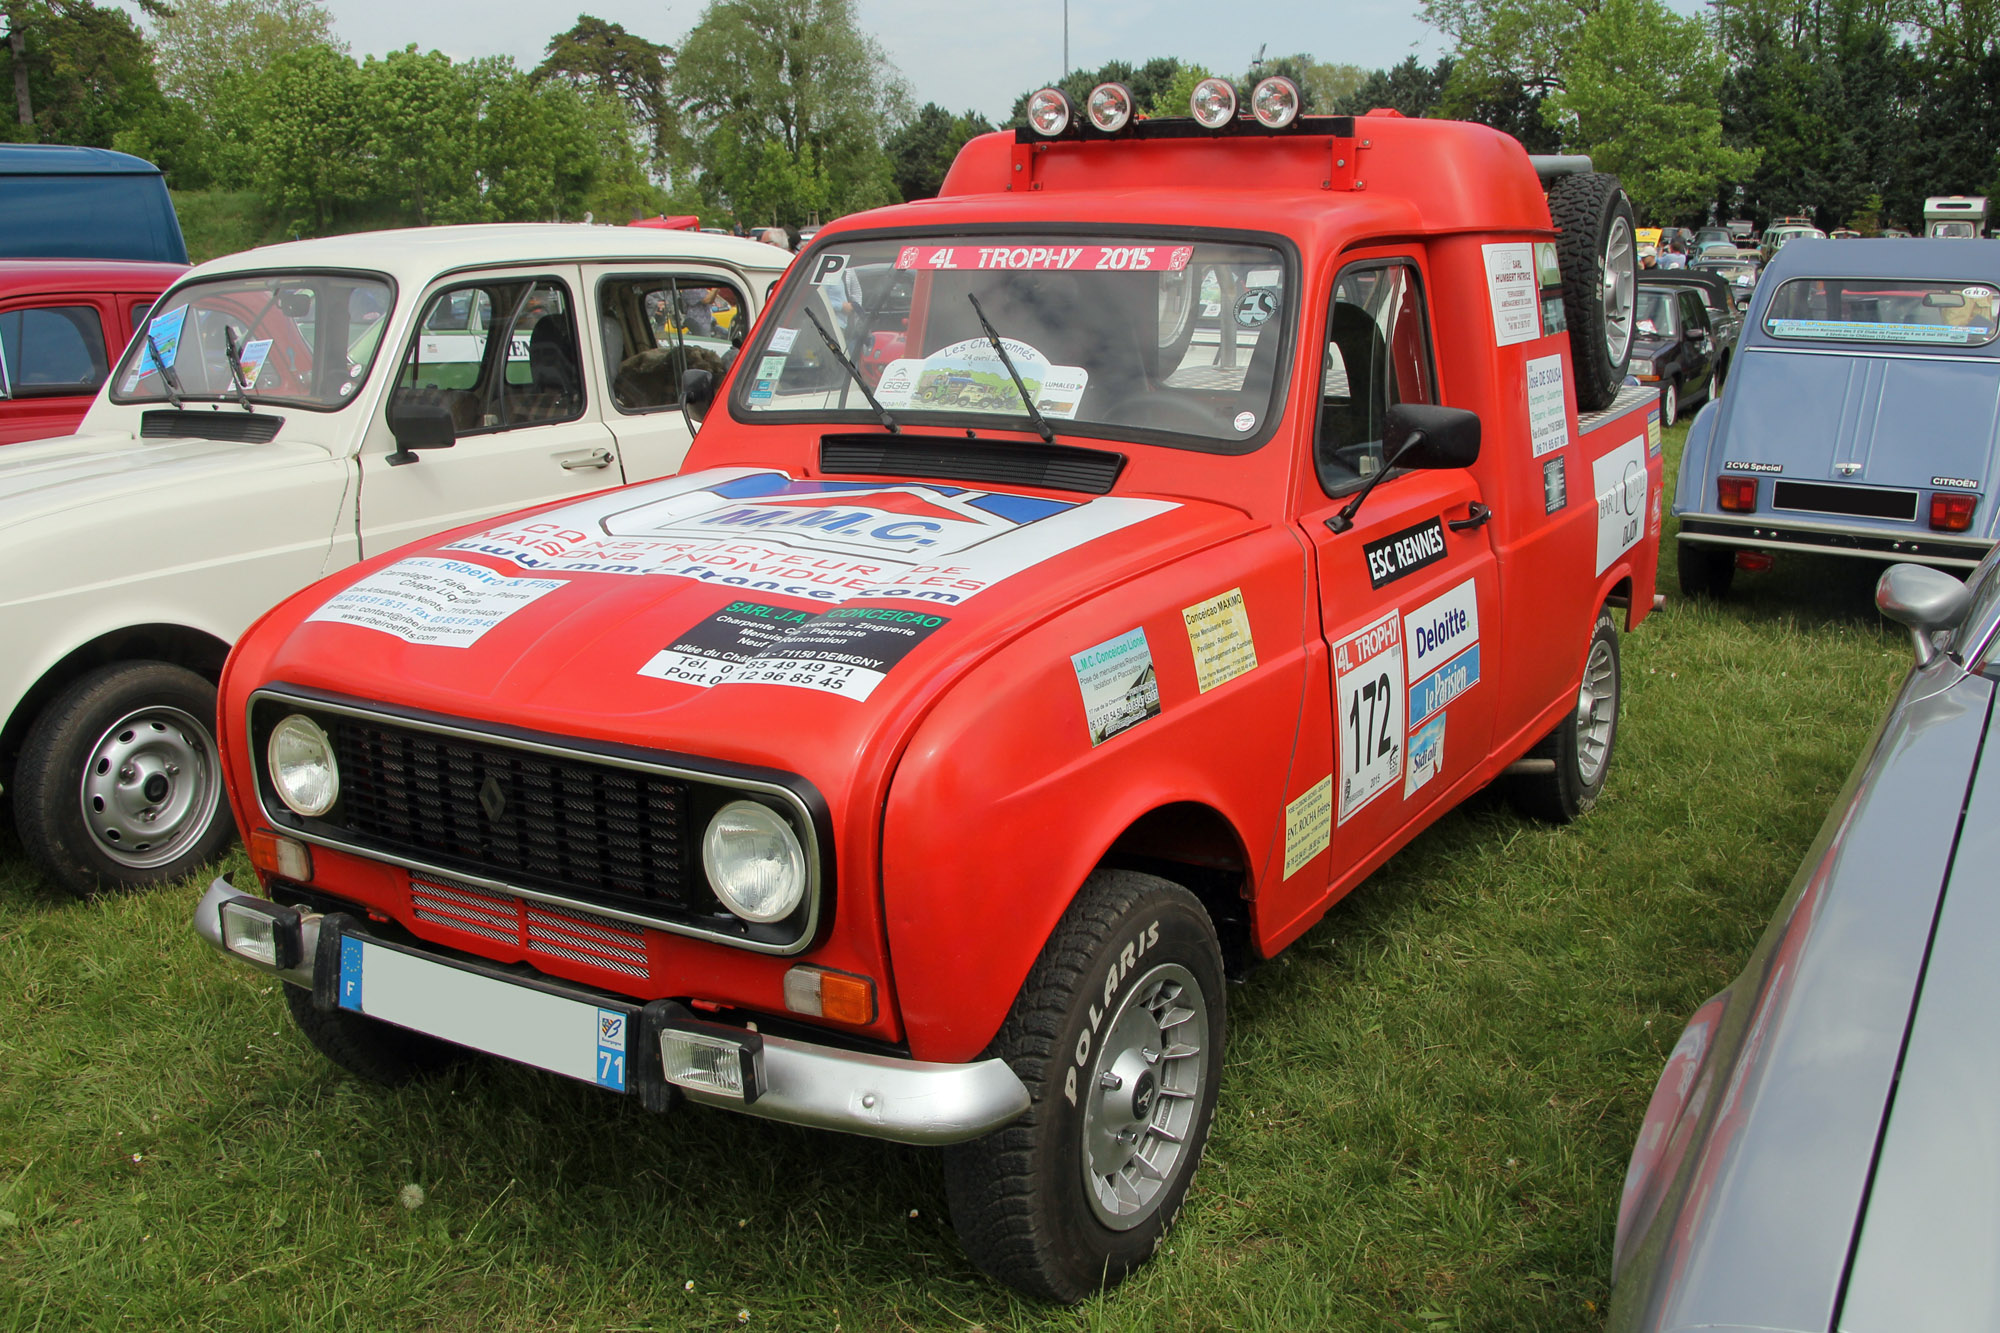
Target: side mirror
x,y
698,388
1421,436
419,425
1925,599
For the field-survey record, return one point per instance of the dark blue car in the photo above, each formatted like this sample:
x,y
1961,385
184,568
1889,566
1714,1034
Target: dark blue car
x,y
1861,416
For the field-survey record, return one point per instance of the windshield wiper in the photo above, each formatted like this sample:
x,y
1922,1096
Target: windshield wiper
x,y
1034,413
169,380
854,374
229,350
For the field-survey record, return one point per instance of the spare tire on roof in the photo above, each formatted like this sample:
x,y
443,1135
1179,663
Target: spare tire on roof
x,y
1600,280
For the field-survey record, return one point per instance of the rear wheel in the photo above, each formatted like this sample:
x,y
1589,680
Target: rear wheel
x,y
1580,746
367,1047
1118,1034
1706,571
1670,402
1599,262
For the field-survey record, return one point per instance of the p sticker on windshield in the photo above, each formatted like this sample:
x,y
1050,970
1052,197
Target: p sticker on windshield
x,y
828,265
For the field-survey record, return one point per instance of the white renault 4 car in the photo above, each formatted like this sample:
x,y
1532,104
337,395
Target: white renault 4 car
x,y
283,413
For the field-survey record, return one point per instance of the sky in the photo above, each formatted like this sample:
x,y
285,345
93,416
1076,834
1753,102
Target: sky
x,y
966,57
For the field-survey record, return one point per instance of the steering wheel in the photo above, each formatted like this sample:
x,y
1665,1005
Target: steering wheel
x,y
1152,408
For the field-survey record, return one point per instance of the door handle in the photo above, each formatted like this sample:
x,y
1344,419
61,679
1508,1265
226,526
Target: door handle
x,y
1476,515
599,458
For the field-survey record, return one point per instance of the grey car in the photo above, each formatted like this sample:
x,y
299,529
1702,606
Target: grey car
x,y
1823,1149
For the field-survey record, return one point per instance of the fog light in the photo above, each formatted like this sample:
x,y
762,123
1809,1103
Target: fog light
x,y
261,932
834,995
1109,107
1049,112
1737,494
1213,103
1952,513
1275,102
715,1059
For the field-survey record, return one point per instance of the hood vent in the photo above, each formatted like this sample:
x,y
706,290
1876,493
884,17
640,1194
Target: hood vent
x,y
1053,467
229,427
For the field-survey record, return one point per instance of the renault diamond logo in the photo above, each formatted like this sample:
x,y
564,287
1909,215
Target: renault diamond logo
x,y
491,799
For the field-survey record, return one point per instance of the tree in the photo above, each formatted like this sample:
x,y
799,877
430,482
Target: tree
x,y
1150,83
1499,45
800,75
603,57
309,139
1410,87
1639,94
922,151
1172,97
1321,86
202,47
418,115
89,61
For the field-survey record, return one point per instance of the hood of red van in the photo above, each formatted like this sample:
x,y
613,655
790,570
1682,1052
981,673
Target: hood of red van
x,y
733,614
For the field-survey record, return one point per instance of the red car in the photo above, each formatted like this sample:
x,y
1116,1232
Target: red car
x,y
921,760
63,324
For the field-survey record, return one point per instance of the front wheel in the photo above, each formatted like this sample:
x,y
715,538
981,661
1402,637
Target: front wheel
x,y
1670,403
1118,1035
119,781
1575,758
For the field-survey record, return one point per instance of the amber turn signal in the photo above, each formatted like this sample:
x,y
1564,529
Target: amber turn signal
x,y
1952,513
1737,494
287,858
834,995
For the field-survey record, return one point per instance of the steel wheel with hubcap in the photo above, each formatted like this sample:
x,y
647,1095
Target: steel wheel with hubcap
x,y
1118,1034
1670,403
1564,774
119,779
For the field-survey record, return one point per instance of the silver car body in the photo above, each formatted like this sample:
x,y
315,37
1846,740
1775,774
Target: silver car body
x,y
1823,1149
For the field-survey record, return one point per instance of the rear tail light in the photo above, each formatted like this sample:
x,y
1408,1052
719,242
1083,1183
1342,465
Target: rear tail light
x,y
1952,513
1755,562
1737,494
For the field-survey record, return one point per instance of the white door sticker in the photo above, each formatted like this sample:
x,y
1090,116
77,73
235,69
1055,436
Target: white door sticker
x,y
1368,711
1442,628
1548,413
1620,481
446,603
1510,281
1308,826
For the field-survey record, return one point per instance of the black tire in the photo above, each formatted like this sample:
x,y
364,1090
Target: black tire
x,y
1594,218
1581,753
101,803
1670,402
1019,1197
1706,571
368,1048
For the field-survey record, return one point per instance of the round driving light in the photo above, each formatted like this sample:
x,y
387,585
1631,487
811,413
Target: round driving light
x,y
1110,107
1049,112
1275,102
754,861
303,768
1213,103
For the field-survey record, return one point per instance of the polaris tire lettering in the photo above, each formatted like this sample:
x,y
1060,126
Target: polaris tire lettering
x,y
1114,976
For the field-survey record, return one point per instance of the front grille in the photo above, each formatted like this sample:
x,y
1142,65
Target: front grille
x,y
568,824
538,929
1819,497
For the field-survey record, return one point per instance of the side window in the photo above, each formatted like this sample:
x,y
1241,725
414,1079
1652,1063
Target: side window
x,y
498,354
53,350
1693,313
1378,354
655,328
139,313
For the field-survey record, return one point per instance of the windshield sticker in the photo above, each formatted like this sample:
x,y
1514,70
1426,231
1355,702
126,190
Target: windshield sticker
x,y
1403,553
825,541
1548,410
1977,293
1368,712
164,333
1308,826
252,358
440,603
770,367
1061,258
782,339
969,376
1510,281
1255,307
1246,422
1866,330
1619,478
828,265
1218,633
1120,689
1426,755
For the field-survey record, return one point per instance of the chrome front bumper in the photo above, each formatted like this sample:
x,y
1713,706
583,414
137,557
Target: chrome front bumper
x,y
825,1087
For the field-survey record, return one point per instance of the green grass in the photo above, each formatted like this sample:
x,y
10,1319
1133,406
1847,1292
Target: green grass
x,y
1424,1123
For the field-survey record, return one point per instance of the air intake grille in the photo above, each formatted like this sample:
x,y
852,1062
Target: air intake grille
x,y
235,427
1858,501
1050,466
568,824
538,929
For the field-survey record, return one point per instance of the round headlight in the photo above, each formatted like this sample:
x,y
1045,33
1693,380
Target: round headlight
x,y
1275,102
1049,112
1213,103
1110,107
303,768
754,861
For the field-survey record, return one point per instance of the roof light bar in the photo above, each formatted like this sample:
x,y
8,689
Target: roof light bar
x,y
1275,102
1213,103
1109,108
1050,112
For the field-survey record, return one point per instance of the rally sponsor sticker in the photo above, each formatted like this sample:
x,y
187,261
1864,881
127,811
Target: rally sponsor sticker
x,y
1120,689
163,349
1218,633
1619,478
439,603
1430,694
1308,826
1426,754
969,376
782,339
1442,628
1510,283
1548,410
1555,485
1403,553
846,651
709,651
762,532
1368,699
1753,467
1057,258
1653,432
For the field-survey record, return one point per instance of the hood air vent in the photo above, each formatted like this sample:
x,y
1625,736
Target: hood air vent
x,y
231,427
1053,467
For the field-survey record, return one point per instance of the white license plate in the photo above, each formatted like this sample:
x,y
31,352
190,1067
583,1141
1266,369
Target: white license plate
x,y
535,1027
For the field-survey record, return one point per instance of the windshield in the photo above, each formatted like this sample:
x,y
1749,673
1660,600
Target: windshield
x,y
1964,230
1108,336
1892,310
1656,313
299,339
